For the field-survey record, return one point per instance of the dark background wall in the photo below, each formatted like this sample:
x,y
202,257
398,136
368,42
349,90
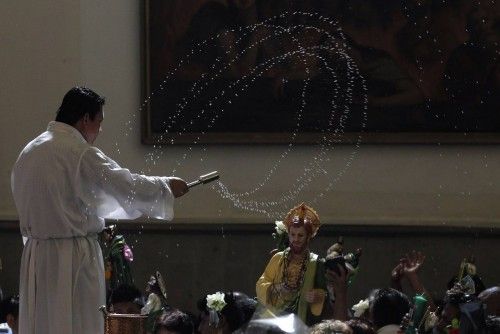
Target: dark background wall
x,y
197,259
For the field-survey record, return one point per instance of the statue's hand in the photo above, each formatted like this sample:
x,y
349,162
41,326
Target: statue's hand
x,y
283,290
315,296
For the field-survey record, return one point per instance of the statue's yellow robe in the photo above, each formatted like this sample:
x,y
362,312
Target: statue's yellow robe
x,y
313,280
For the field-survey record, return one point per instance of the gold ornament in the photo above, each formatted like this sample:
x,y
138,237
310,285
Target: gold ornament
x,y
303,215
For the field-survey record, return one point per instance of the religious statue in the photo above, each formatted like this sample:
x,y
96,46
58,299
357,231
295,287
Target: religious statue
x,y
157,299
294,278
468,277
117,259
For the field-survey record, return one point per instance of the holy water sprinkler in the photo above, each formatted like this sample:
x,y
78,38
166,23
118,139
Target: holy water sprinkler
x,y
212,176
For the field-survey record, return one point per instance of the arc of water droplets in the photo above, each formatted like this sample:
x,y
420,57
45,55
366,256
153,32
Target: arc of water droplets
x,y
273,203
182,105
249,28
262,207
324,145
260,210
267,204
299,112
299,181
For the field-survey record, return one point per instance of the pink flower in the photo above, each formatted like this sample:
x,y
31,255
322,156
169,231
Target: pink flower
x,y
127,253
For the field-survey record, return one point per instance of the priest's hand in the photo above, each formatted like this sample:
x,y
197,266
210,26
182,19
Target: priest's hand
x,y
178,186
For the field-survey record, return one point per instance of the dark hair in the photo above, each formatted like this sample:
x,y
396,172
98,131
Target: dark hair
x,y
8,306
176,321
126,293
493,325
389,307
360,326
247,306
77,102
234,312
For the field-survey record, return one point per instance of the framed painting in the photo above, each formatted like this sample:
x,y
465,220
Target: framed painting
x,y
309,71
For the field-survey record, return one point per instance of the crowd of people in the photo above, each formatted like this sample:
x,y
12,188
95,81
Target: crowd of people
x,y
301,292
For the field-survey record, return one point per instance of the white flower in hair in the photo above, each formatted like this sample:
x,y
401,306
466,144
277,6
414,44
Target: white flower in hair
x,y
216,301
280,227
360,308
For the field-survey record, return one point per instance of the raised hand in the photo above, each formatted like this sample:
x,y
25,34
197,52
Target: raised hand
x,y
398,272
396,275
337,281
412,262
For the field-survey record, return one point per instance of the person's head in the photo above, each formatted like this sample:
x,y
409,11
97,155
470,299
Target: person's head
x,y
126,299
9,312
360,326
388,307
302,224
246,304
492,325
82,108
331,327
491,298
221,313
298,239
174,322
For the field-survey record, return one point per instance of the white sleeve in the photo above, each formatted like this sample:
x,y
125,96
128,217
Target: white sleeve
x,y
110,191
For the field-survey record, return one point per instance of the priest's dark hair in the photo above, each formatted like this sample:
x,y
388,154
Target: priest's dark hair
x,y
77,102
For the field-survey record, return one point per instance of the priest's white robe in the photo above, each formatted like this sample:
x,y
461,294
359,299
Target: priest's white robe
x,y
63,189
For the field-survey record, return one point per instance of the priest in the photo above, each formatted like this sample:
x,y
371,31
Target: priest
x,y
64,188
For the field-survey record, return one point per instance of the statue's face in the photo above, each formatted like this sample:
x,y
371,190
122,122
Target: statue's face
x,y
299,239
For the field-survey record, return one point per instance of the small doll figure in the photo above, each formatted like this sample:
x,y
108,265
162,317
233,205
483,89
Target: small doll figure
x,y
465,310
157,300
468,277
335,256
117,259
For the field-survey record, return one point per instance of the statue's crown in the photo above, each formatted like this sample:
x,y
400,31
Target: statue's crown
x,y
303,215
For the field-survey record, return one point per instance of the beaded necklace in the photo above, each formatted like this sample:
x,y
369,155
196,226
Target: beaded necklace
x,y
301,276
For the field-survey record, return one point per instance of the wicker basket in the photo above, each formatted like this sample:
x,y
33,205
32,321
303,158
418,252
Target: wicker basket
x,y
124,323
